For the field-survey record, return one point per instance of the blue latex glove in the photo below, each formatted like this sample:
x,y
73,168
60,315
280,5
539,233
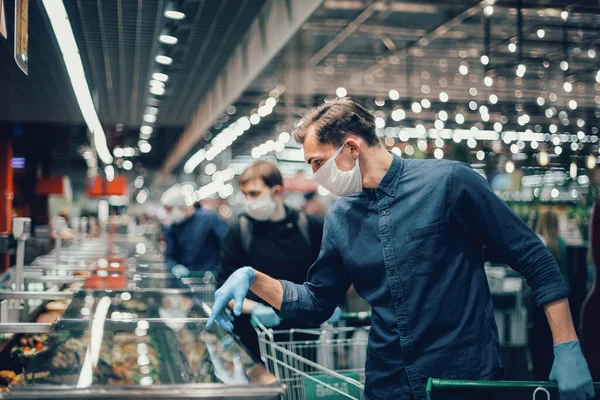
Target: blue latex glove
x,y
336,316
235,288
266,315
571,372
180,271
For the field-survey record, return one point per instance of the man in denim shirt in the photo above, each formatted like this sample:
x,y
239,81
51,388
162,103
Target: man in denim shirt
x,y
409,234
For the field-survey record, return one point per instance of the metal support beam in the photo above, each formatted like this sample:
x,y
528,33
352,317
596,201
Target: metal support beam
x,y
387,41
520,37
432,35
269,32
429,7
487,38
344,33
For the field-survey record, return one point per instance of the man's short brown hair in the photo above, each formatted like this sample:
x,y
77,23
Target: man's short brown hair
x,y
335,120
263,170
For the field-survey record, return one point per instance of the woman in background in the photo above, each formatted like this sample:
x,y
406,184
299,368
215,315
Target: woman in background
x,y
540,336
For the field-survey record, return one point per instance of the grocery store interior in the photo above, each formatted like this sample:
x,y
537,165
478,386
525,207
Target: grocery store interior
x,y
130,109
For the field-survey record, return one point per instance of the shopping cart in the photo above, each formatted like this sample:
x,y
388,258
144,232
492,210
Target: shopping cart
x,y
325,363
513,390
203,284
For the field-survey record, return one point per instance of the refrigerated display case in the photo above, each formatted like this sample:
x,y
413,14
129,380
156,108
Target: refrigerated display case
x,y
120,326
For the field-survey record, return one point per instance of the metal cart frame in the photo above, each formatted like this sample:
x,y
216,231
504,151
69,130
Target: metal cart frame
x,y
329,374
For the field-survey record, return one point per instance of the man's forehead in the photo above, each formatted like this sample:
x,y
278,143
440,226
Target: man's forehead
x,y
315,149
253,184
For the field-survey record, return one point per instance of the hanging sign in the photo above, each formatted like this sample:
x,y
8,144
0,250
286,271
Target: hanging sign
x,y
21,37
3,30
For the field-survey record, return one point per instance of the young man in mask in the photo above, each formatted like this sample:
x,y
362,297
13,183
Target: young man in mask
x,y
271,237
409,234
193,235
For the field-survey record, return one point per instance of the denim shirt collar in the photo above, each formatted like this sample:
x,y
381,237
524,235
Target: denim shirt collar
x,y
389,183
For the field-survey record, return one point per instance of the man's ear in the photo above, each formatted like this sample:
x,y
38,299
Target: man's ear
x,y
354,143
278,190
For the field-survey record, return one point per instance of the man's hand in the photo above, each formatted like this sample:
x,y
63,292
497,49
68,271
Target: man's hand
x,y
571,372
235,288
266,315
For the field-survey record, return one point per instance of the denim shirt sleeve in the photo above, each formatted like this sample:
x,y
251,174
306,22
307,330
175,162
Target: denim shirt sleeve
x,y
482,214
171,252
327,283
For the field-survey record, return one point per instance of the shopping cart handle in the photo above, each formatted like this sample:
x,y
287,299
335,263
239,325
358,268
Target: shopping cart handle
x,y
255,322
356,316
434,383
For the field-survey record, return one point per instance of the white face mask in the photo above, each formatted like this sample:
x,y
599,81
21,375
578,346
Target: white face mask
x,y
176,215
340,183
261,209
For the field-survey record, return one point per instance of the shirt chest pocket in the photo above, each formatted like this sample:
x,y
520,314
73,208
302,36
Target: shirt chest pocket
x,y
426,251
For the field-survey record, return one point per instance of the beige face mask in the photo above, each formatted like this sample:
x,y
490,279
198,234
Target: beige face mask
x,y
261,209
340,183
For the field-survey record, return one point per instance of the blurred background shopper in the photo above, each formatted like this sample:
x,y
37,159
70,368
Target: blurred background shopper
x,y
193,236
272,238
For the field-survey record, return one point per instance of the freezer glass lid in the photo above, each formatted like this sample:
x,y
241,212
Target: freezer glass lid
x,y
140,352
138,303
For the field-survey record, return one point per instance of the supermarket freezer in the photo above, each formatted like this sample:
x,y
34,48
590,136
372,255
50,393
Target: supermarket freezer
x,y
94,349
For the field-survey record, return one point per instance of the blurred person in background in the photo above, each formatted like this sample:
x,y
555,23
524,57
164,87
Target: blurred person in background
x,y
272,238
313,205
66,232
540,333
548,231
409,234
193,236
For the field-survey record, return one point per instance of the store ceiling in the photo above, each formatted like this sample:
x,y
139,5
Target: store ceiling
x,y
117,40
367,47
370,48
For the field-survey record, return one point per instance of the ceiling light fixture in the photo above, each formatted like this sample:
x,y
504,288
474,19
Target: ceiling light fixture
x,y
109,171
61,26
157,90
564,65
163,59
168,37
144,146
194,161
174,11
150,118
160,76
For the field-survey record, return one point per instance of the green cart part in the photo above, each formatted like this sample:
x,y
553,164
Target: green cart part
x,y
433,384
316,388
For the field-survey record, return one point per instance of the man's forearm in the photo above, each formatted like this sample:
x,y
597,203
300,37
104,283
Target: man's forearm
x,y
560,321
268,289
247,307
